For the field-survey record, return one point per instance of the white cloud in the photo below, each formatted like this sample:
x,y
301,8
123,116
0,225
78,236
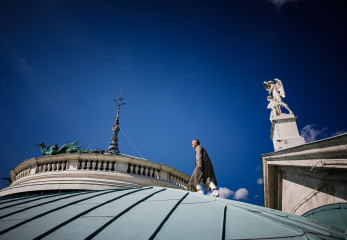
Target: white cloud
x,y
223,192
241,193
256,196
280,3
310,134
258,168
260,181
338,133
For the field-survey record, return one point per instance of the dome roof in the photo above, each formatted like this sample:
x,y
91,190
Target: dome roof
x,y
332,215
148,213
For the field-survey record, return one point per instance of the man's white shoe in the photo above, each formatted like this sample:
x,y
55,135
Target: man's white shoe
x,y
215,193
200,192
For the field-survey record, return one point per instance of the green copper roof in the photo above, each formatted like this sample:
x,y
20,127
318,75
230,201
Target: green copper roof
x,y
332,215
148,213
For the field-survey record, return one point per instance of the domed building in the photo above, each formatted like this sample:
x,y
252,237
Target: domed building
x,y
82,194
72,168
148,213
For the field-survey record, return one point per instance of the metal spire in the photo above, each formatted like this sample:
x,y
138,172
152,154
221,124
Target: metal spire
x,y
113,148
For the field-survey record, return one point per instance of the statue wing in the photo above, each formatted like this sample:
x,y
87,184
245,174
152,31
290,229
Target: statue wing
x,y
279,87
266,85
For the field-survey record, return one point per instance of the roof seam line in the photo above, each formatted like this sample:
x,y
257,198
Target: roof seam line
x,y
288,223
167,217
96,232
55,200
2,201
224,222
84,213
43,197
53,210
295,226
267,238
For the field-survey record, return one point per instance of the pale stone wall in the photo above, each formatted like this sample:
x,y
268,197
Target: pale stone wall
x,y
302,178
302,192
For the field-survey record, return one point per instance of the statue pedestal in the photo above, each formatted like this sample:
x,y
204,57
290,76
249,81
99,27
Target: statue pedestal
x,y
284,132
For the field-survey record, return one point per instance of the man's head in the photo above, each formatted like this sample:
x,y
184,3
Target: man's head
x,y
195,143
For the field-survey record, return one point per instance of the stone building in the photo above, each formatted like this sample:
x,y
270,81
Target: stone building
x,y
304,179
307,179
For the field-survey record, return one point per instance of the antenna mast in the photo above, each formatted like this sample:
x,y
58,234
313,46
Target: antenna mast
x,y
113,148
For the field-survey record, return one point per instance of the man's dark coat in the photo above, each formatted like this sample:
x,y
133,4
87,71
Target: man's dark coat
x,y
207,175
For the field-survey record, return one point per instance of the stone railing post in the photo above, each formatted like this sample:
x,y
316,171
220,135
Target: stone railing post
x,y
121,167
33,169
163,176
72,165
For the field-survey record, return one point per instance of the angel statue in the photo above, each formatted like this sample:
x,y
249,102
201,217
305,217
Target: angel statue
x,y
275,98
274,107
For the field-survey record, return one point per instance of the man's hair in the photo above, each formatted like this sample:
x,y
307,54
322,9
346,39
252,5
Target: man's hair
x,y
197,141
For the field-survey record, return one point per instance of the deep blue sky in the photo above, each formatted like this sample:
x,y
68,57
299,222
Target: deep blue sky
x,y
188,69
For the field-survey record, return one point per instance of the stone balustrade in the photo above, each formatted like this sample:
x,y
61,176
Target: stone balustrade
x,y
91,164
23,173
96,165
51,166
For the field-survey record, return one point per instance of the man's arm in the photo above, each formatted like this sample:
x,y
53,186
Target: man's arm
x,y
198,157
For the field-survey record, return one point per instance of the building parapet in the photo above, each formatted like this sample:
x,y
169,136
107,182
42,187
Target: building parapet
x,y
65,170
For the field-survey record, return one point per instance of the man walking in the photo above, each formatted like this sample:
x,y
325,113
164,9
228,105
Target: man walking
x,y
203,173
